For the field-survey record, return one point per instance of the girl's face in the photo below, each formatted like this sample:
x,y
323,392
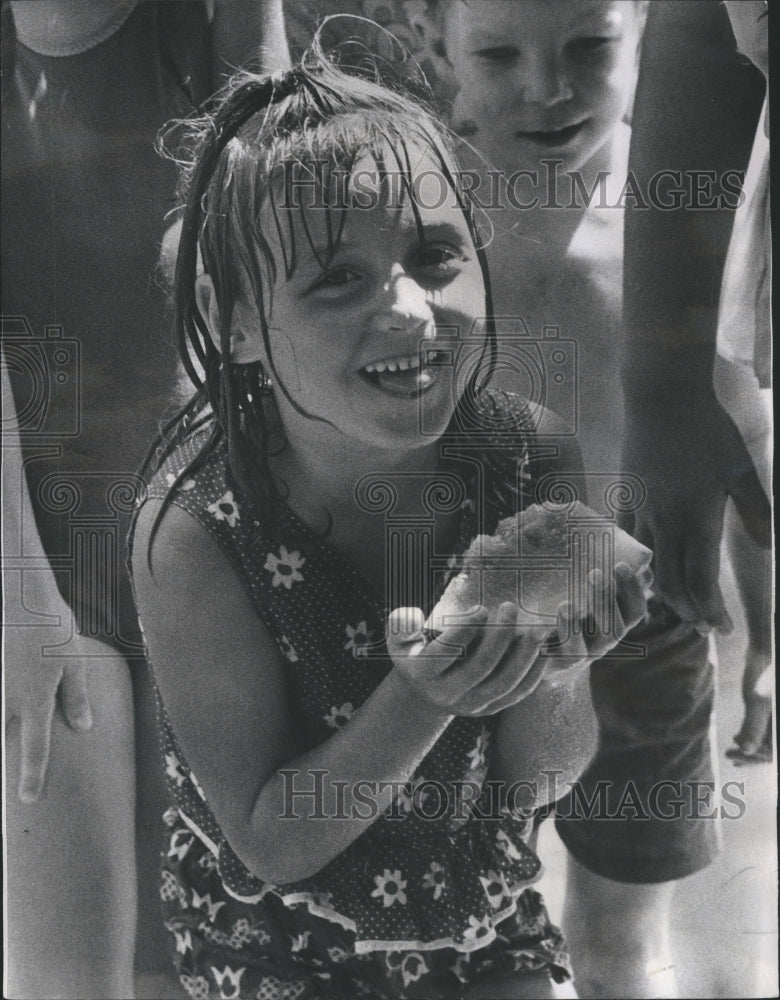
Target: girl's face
x,y
347,332
543,78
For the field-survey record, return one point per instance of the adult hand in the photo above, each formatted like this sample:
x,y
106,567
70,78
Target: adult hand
x,y
690,456
32,679
32,684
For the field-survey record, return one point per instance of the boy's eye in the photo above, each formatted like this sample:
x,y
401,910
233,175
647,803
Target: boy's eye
x,y
497,54
589,49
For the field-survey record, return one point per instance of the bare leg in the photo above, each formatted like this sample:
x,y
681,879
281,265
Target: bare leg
x,y
70,877
751,408
531,985
753,573
618,936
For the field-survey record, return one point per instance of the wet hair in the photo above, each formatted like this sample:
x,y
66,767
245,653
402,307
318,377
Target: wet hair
x,y
263,135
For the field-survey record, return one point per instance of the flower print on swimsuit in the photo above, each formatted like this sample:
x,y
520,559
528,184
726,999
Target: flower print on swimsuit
x,y
390,888
434,879
285,567
225,509
359,638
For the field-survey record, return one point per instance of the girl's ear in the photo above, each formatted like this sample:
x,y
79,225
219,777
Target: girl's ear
x,y
246,342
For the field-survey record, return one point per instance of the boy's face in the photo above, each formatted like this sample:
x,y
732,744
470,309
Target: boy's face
x,y
542,78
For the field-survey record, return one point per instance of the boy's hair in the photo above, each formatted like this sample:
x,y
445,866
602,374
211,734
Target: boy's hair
x,y
430,24
264,135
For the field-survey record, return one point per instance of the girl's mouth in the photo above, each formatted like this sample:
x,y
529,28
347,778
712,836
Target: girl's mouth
x,y
553,138
404,376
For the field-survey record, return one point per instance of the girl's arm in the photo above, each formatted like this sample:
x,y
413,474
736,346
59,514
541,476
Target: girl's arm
x,y
221,677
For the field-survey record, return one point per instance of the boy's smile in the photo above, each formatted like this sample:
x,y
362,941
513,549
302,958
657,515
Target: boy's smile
x,y
554,138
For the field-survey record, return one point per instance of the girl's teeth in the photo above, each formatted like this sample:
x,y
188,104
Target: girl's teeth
x,y
399,364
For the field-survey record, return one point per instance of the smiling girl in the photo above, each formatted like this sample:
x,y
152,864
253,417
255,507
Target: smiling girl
x,y
260,570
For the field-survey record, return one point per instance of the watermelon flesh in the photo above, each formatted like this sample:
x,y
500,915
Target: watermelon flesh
x,y
538,559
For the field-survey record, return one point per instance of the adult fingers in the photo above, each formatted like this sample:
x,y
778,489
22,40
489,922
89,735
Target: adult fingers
x,y
702,569
75,697
753,506
35,735
758,712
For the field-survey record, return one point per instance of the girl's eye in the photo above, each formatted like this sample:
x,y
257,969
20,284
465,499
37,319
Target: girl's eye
x,y
336,277
438,260
497,54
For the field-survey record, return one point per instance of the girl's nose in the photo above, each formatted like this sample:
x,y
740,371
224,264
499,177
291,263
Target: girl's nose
x,y
405,305
543,80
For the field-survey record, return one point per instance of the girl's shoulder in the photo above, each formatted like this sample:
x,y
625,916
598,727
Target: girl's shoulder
x,y
190,491
194,475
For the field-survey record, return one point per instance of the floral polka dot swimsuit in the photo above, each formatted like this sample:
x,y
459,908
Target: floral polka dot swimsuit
x,y
434,894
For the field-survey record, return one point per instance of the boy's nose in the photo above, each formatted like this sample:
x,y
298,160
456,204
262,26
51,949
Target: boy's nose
x,y
543,80
405,305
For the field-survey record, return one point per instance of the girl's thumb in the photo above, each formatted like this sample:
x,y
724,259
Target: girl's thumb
x,y
405,625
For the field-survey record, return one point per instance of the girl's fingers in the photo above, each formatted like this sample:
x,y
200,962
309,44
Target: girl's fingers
x,y
457,643
407,643
571,646
511,685
630,596
496,638
405,633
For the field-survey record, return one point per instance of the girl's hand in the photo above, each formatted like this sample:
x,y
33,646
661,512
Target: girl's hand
x,y
614,608
471,668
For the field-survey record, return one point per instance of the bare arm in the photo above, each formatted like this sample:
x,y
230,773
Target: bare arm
x,y
697,106
209,648
251,34
33,678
